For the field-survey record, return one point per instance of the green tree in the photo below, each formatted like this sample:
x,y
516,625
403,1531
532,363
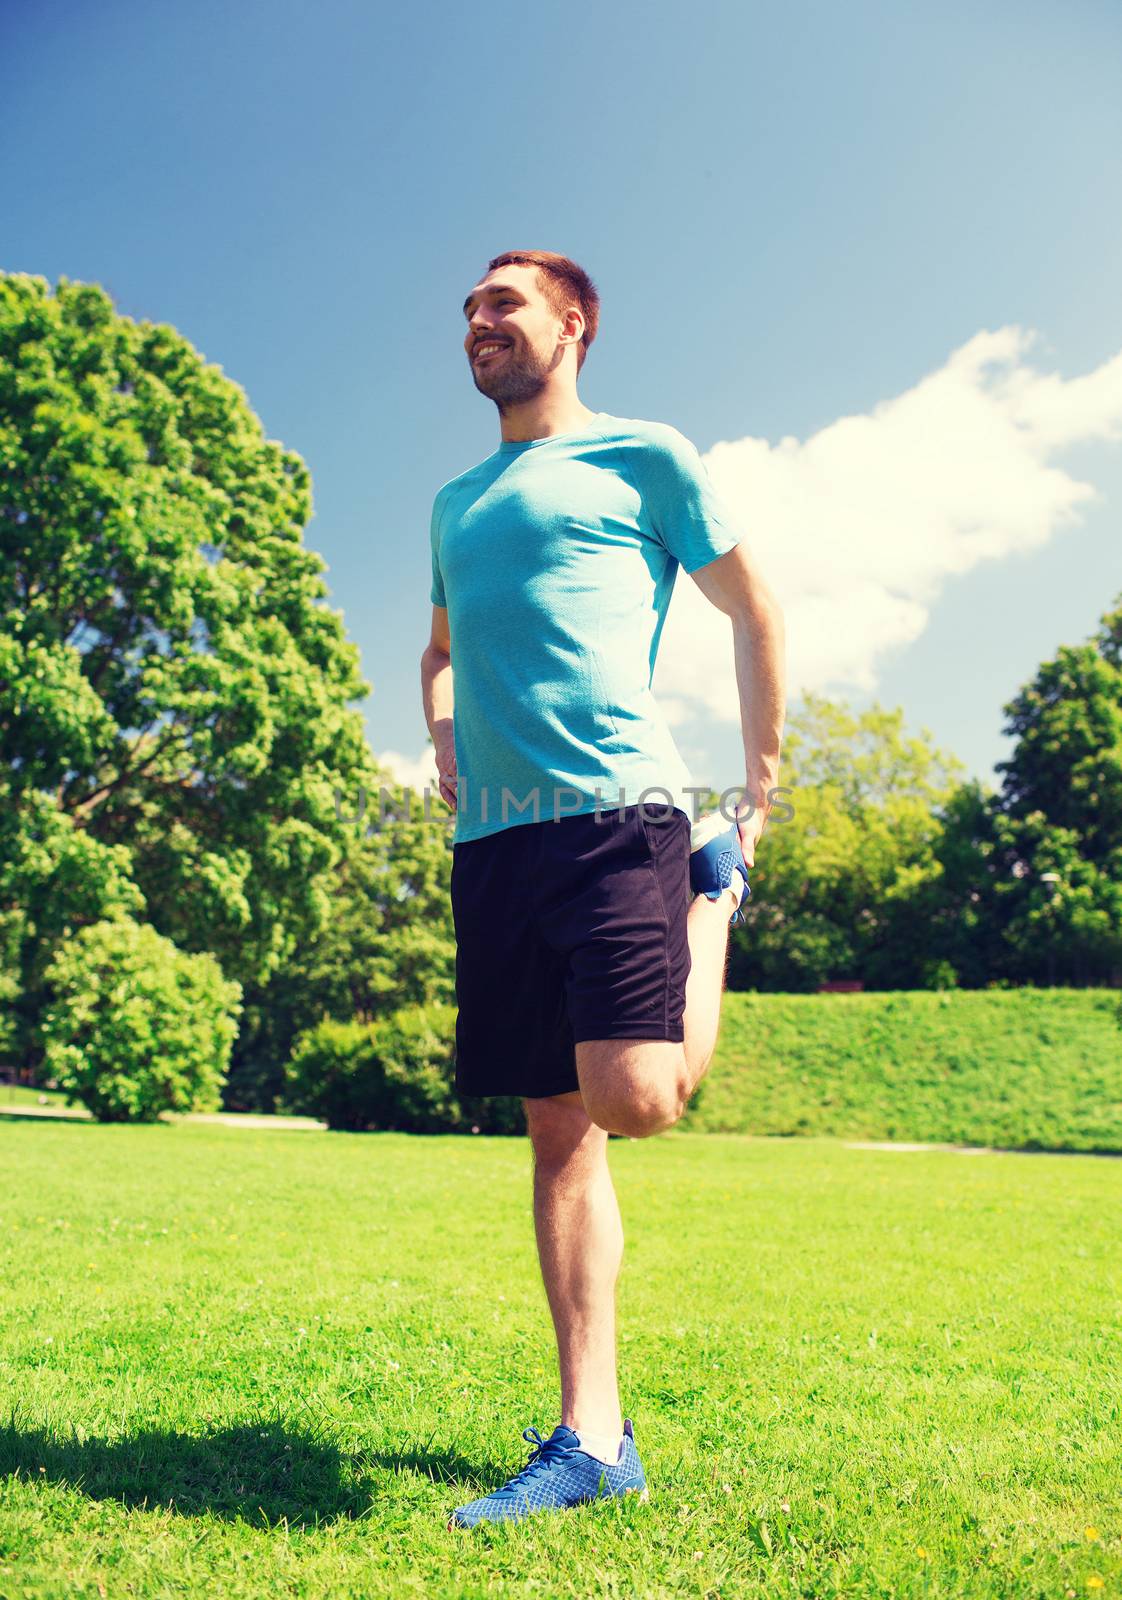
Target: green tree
x,y
388,942
835,887
1067,763
954,913
171,681
1058,835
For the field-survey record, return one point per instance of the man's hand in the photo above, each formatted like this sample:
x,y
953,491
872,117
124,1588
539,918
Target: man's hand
x,y
751,820
444,749
446,771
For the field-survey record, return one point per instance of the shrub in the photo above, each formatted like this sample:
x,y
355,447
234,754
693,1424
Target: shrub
x,y
395,1073
135,1025
493,1114
390,1073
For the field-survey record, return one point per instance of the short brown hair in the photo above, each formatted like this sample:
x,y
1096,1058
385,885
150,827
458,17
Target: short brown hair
x,y
562,283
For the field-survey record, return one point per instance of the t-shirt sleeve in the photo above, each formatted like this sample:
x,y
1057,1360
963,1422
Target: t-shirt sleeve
x,y
690,518
436,594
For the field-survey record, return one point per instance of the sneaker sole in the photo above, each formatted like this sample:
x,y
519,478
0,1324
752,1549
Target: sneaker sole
x,y
643,1495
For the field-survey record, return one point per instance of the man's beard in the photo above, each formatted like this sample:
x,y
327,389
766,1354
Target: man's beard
x,y
517,377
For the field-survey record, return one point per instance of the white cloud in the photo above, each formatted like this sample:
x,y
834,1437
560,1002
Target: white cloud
x,y
415,772
860,527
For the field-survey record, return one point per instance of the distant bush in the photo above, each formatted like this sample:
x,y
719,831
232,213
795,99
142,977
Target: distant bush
x,y
391,1073
395,1073
137,1026
492,1114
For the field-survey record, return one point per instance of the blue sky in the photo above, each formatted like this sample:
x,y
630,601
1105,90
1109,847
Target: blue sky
x,y
795,216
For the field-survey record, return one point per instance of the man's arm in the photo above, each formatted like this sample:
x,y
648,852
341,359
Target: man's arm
x,y
735,585
436,690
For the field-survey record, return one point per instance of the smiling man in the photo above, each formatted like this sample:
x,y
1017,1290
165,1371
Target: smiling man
x,y
591,919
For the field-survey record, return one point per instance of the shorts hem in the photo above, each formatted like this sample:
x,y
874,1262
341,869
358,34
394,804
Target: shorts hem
x,y
656,1032
536,1093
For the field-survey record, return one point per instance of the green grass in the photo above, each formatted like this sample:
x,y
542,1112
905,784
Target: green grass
x,y
17,1094
1016,1069
240,1363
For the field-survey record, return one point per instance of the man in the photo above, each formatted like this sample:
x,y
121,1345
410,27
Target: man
x,y
587,980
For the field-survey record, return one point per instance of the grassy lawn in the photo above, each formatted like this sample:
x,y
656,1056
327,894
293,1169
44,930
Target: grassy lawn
x,y
266,1363
16,1094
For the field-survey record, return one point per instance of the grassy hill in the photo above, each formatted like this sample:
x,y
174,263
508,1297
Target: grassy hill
x,y
1020,1069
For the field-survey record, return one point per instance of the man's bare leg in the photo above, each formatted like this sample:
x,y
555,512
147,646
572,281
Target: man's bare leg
x,y
627,1086
580,1247
576,1214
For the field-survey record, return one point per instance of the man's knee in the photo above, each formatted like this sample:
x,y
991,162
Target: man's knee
x,y
560,1130
635,1089
642,1115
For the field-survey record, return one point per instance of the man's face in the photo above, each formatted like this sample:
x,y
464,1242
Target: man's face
x,y
507,309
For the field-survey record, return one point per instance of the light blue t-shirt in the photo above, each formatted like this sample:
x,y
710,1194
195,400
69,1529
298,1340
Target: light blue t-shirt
x,y
556,559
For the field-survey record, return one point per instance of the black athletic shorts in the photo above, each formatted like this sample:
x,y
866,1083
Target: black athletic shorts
x,y
569,929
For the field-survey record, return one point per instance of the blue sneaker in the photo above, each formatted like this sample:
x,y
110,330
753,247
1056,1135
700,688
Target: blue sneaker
x,y
715,859
558,1474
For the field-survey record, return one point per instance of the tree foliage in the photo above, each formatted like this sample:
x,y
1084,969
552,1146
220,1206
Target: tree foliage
x,y
172,686
1058,825
835,883
896,872
388,942
1067,763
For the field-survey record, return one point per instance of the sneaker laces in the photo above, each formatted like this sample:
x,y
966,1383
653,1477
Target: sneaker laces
x,y
542,1457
